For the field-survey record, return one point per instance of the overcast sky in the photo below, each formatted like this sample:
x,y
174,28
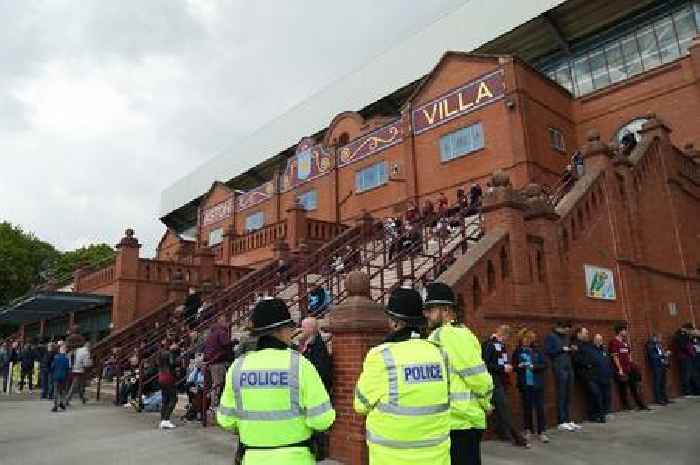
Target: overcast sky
x,y
104,103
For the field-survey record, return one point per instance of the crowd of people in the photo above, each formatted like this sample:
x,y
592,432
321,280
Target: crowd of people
x,y
59,369
576,357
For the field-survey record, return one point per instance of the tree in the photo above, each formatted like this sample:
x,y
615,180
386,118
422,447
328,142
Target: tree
x,y
23,258
94,255
26,261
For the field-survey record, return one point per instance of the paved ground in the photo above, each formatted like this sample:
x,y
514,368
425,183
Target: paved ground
x,y
106,435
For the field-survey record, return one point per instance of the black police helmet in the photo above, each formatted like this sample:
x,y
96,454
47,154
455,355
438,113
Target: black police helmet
x,y
270,314
405,305
438,294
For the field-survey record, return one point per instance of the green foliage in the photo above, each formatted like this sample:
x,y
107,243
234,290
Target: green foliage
x,y
23,258
26,261
94,255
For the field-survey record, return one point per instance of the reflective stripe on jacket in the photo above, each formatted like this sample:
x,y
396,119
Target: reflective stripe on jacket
x,y
404,391
274,397
471,384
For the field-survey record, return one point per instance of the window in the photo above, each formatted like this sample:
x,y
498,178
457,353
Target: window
x,y
633,126
556,139
215,237
309,200
643,46
461,142
254,221
371,177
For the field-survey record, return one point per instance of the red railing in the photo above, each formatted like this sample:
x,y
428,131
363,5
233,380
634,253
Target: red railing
x,y
95,280
263,237
318,230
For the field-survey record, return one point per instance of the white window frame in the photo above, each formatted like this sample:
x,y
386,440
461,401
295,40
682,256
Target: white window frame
x,y
475,146
256,226
383,179
556,139
218,234
312,194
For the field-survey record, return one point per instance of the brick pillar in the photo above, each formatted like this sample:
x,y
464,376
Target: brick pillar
x,y
177,289
357,325
229,236
205,260
126,269
542,221
296,225
504,207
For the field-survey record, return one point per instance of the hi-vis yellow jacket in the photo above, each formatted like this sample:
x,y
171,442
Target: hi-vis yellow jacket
x,y
471,384
274,397
403,390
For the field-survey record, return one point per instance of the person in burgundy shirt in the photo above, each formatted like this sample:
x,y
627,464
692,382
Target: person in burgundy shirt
x,y
627,374
217,352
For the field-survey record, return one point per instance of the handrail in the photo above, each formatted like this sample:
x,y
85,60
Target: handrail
x,y
263,237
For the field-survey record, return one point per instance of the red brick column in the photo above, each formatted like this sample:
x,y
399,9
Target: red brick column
x,y
296,225
357,325
126,269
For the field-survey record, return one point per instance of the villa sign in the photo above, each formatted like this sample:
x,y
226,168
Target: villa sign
x,y
470,97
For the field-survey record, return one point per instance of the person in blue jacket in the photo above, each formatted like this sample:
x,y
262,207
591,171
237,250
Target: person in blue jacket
x,y
60,367
530,365
558,348
658,358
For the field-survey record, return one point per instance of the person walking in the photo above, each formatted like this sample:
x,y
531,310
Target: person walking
x,y
497,360
26,365
167,380
79,368
274,397
45,372
471,385
403,391
587,371
604,379
627,374
530,364
5,357
659,361
59,369
558,348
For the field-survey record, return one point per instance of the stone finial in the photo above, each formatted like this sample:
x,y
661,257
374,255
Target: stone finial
x,y
653,122
357,284
499,178
594,146
690,150
128,240
537,202
593,135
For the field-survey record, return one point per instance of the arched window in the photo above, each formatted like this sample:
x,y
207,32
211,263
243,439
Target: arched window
x,y
505,268
565,240
476,291
490,277
631,127
343,139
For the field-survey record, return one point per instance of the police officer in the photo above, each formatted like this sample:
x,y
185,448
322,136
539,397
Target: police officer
x,y
404,391
273,396
470,382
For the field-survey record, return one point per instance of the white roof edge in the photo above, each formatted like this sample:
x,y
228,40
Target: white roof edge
x,y
389,71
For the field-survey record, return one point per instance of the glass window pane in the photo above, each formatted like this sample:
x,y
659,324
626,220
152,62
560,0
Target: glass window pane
x,y
630,51
685,28
477,137
582,73
666,36
648,48
616,65
564,78
446,148
599,69
216,237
